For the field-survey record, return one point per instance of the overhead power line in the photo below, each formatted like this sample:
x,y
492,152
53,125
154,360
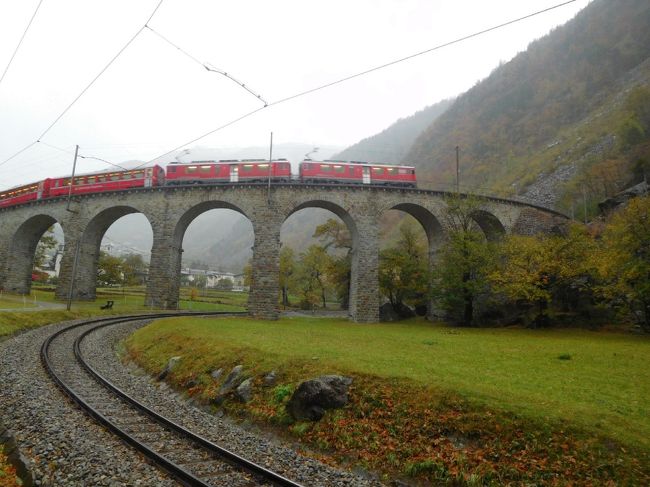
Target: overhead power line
x,y
92,82
20,41
208,66
363,73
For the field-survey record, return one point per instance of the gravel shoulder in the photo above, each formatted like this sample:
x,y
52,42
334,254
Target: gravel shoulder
x,y
64,447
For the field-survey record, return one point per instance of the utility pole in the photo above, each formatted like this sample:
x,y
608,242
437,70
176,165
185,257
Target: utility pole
x,y
74,168
270,160
457,170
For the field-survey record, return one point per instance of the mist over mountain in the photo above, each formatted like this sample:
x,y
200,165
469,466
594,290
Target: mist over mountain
x,y
391,145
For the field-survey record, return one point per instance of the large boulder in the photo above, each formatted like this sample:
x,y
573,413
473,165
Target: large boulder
x,y
244,391
313,397
233,380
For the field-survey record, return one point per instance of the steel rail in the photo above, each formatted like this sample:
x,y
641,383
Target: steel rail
x,y
184,476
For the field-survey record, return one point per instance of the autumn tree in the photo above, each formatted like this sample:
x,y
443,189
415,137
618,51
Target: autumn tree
x,y
623,262
47,243
403,269
533,269
336,240
312,276
463,262
109,270
134,269
288,271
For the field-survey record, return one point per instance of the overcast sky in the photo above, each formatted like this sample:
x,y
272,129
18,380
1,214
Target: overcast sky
x,y
153,98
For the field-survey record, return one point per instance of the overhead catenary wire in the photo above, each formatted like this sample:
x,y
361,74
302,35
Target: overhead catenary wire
x,y
88,86
207,66
365,72
4,73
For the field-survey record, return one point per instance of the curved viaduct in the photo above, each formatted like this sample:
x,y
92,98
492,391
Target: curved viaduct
x,y
170,210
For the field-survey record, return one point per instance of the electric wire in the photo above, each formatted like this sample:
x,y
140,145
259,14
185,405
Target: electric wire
x,y
207,66
371,70
92,82
20,41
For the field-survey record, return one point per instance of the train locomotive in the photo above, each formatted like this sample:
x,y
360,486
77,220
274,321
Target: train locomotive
x,y
214,173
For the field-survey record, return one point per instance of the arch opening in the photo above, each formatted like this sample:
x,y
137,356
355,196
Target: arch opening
x,y
212,248
316,258
34,255
410,238
489,224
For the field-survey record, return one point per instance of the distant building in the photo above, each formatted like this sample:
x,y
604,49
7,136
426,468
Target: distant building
x,y
213,278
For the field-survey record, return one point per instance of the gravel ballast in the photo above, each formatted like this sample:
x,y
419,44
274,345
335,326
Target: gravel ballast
x,y
63,446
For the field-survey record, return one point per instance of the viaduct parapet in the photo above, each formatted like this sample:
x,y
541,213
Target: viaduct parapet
x,y
170,210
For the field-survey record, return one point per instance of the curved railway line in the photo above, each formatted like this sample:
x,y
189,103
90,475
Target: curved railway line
x,y
189,458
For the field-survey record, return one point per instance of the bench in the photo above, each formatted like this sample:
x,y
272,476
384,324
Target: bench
x,y
108,305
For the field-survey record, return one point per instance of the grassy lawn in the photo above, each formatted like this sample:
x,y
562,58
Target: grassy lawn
x,y
132,300
576,380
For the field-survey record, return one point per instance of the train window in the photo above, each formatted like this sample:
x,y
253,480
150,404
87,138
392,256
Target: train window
x,y
325,168
191,169
391,170
247,167
378,170
263,166
339,168
403,171
91,179
205,168
115,177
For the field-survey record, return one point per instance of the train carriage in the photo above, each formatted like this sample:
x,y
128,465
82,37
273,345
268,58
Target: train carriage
x,y
24,194
108,181
343,172
228,171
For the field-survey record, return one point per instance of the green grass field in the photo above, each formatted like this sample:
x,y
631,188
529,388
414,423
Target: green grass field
x,y
131,300
603,386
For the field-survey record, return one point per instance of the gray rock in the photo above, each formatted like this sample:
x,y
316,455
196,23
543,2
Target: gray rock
x,y
215,374
270,379
169,367
233,379
244,391
313,397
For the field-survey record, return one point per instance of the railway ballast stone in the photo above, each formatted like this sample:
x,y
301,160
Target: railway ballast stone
x,y
313,397
169,367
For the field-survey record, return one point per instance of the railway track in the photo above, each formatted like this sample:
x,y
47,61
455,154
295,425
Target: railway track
x,y
191,459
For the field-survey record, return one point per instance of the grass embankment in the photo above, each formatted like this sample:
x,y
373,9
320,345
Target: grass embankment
x,y
446,404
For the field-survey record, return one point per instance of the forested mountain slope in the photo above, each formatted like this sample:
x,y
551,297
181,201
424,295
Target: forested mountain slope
x,y
573,107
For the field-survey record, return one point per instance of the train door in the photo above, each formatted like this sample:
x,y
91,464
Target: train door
x,y
148,177
366,175
39,193
234,173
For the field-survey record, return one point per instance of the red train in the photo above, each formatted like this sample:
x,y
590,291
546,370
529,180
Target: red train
x,y
215,172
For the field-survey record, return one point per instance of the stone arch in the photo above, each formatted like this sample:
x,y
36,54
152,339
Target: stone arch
x,y
21,252
189,215
434,232
163,288
335,208
89,243
489,224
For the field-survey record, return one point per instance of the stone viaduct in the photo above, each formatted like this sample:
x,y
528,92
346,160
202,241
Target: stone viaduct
x,y
170,210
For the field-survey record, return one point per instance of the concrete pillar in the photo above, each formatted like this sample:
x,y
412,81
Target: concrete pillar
x,y
364,283
265,285
163,285
4,249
